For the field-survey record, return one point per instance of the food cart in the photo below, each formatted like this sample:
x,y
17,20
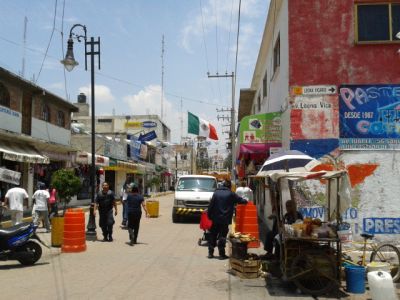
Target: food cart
x,y
310,250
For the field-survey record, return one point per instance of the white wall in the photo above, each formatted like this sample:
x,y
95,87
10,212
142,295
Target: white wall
x,y
49,132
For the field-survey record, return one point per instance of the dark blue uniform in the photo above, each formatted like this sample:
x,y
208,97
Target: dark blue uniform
x,y
220,212
134,207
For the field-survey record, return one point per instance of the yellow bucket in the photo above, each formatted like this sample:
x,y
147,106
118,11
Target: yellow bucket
x,y
153,207
57,231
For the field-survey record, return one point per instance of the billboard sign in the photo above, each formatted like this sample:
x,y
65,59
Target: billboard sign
x,y
261,129
369,117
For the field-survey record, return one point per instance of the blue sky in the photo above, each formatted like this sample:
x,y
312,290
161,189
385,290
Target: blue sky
x,y
130,33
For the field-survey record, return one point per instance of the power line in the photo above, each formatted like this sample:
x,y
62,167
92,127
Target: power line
x,y
62,49
237,42
204,36
117,79
51,37
229,39
216,45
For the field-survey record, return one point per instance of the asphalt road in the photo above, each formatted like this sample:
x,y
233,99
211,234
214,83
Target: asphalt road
x,y
166,264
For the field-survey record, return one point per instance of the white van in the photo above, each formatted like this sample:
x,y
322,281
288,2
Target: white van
x,y
192,195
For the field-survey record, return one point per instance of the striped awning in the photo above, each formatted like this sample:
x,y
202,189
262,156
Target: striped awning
x,y
22,153
125,166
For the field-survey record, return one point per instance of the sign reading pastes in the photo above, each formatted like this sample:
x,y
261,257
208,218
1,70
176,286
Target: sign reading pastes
x,y
262,128
314,90
369,117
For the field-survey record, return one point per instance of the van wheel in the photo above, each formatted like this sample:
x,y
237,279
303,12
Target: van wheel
x,y
175,217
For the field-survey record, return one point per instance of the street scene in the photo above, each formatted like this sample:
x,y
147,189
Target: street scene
x,y
234,149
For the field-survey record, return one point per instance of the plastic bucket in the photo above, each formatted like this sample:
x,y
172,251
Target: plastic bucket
x,y
378,266
355,279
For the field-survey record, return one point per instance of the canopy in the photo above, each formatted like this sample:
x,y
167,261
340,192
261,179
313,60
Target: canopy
x,y
256,151
22,153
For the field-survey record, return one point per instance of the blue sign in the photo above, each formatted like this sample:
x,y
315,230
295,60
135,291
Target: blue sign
x,y
382,225
149,124
369,117
151,135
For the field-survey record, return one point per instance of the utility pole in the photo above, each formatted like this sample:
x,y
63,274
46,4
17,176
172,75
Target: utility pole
x,y
162,77
181,120
232,76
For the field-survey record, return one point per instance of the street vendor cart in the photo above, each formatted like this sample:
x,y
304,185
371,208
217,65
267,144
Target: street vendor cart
x,y
309,250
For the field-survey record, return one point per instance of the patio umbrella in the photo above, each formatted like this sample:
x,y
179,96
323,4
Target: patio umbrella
x,y
289,160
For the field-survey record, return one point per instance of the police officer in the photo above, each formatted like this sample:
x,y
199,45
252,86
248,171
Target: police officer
x,y
220,212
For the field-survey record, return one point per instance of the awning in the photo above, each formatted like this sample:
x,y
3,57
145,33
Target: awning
x,y
126,166
256,151
167,174
86,158
22,153
9,176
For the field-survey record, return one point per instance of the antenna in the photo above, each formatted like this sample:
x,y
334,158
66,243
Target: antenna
x,y
162,77
24,47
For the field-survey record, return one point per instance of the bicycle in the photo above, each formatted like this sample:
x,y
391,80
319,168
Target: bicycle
x,y
384,253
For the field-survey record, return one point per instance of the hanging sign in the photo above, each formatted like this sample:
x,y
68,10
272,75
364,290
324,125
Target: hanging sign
x,y
10,176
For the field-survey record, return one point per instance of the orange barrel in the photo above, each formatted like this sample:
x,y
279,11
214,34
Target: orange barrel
x,y
74,231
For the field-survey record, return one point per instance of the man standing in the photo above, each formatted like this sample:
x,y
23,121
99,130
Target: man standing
x,y
40,199
16,199
105,201
220,212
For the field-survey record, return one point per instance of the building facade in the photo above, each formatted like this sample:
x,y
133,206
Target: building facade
x,y
331,68
34,133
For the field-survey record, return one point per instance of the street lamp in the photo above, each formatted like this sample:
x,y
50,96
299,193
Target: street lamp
x,y
69,63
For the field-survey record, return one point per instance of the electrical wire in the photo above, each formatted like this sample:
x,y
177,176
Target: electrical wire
x,y
229,39
237,45
216,45
51,37
62,49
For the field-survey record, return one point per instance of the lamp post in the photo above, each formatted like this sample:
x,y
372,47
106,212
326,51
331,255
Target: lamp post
x,y
69,63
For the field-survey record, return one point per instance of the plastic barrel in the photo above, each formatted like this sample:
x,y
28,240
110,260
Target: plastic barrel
x,y
355,279
57,231
74,231
152,207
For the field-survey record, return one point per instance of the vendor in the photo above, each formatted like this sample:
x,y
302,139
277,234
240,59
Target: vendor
x,y
292,215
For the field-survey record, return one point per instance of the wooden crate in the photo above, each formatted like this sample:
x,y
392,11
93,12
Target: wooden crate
x,y
245,268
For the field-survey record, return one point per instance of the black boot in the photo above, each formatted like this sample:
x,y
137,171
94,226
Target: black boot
x,y
210,254
222,254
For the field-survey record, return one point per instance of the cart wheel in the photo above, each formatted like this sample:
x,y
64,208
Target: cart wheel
x,y
314,273
199,242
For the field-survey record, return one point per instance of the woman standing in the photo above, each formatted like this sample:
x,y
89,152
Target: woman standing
x,y
134,203
53,202
105,201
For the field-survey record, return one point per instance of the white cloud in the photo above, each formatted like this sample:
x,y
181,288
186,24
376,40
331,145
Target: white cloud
x,y
102,93
193,30
56,85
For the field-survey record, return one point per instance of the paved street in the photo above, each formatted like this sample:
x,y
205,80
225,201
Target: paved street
x,y
166,264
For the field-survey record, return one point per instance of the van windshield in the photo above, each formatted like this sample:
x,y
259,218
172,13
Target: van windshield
x,y
197,184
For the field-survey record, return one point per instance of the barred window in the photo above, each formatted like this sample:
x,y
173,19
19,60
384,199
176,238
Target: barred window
x,y
45,113
4,96
60,118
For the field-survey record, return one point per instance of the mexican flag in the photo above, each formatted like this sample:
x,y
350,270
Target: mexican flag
x,y
201,127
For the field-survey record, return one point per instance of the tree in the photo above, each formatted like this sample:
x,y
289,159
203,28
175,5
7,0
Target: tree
x,y
228,162
67,185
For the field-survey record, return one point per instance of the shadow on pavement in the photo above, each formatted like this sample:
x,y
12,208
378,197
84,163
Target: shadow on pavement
x,y
19,266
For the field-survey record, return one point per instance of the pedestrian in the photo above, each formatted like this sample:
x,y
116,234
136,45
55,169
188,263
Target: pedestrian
x,y
244,191
41,212
53,211
105,201
124,195
134,205
16,198
220,212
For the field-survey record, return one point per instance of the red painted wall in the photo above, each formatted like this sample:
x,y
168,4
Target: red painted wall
x,y
322,48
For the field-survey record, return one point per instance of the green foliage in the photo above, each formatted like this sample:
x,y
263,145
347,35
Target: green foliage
x,y
228,162
155,181
66,183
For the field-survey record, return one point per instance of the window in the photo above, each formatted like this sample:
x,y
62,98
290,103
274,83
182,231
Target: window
x,y
265,89
104,120
377,22
4,96
60,118
277,53
45,113
259,102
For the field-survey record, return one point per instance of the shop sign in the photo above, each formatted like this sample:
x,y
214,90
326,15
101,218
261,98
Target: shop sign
x,y
115,150
10,176
135,147
314,90
143,151
10,119
149,136
149,124
369,117
261,129
133,124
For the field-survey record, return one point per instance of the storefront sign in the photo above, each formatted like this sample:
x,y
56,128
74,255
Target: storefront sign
x,y
314,90
149,136
135,146
149,124
115,150
10,176
10,120
369,117
262,128
381,225
133,124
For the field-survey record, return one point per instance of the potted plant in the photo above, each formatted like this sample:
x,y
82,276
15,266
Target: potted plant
x,y
67,185
155,182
